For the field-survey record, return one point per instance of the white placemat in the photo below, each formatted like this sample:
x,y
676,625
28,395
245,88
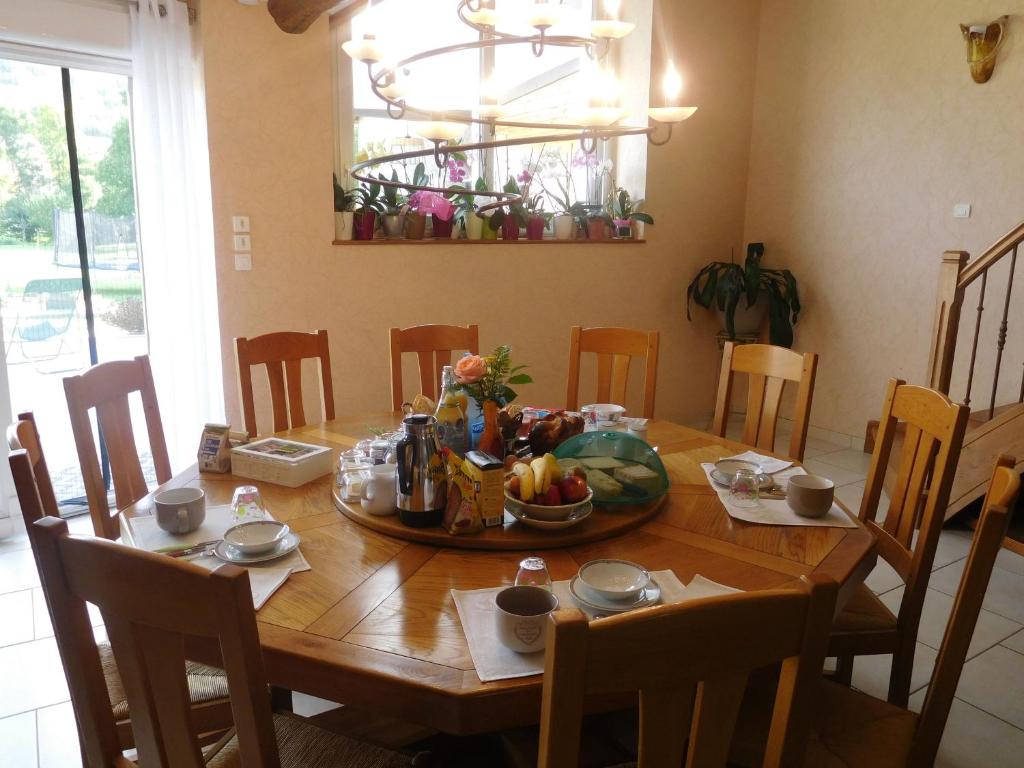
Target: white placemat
x,y
493,661
264,578
777,511
768,464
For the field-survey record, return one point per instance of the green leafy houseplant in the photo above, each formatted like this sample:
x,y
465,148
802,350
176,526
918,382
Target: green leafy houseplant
x,y
394,197
465,201
623,208
723,284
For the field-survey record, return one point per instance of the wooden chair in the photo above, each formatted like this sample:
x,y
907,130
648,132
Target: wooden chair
x,y
207,687
105,388
614,347
852,729
152,605
28,465
713,644
433,345
934,433
769,368
283,353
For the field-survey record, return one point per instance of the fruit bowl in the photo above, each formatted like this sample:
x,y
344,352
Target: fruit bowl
x,y
547,513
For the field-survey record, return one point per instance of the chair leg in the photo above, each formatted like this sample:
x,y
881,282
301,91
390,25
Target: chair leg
x,y
844,670
899,678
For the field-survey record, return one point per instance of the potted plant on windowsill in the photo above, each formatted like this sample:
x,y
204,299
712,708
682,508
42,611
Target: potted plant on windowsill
x,y
514,218
365,209
626,215
466,207
345,202
742,294
536,218
394,200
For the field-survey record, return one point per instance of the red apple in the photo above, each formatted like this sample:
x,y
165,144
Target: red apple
x,y
572,489
553,498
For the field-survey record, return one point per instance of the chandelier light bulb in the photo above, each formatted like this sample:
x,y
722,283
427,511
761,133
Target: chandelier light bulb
x,y
439,130
366,49
610,29
611,7
671,84
544,15
670,114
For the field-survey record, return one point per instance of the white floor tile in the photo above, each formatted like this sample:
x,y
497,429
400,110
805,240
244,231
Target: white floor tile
x,y
990,630
883,578
305,705
850,495
32,676
1010,561
975,739
1005,594
17,571
42,615
838,475
16,617
871,673
994,682
18,741
954,544
58,737
1016,642
14,542
849,459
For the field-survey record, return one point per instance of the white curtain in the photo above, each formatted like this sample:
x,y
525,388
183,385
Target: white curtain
x,y
176,225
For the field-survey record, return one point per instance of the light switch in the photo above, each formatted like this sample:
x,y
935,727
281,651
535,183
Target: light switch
x,y
243,243
962,211
243,262
239,223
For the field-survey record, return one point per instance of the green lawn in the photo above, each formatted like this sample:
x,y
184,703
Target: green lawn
x,y
26,261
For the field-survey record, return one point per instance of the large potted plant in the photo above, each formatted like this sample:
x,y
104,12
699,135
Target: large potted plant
x,y
394,200
742,294
626,215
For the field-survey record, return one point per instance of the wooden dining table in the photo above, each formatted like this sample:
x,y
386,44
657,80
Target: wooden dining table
x,y
373,623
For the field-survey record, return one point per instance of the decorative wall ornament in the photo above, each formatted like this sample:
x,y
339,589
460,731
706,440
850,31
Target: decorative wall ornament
x,y
983,43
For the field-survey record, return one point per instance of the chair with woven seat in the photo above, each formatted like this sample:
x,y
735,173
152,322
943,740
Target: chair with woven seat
x,y
909,534
615,348
207,686
105,388
768,369
153,607
282,353
433,345
854,730
667,652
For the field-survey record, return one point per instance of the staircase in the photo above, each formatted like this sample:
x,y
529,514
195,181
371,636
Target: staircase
x,y
999,426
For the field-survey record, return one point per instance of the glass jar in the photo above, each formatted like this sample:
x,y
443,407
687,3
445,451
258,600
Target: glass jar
x,y
744,488
247,504
533,572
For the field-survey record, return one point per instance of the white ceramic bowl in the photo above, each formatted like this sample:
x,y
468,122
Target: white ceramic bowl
x,y
810,495
727,468
547,514
256,536
596,412
615,579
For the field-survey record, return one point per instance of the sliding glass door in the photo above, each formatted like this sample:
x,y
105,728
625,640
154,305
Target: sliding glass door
x,y
70,269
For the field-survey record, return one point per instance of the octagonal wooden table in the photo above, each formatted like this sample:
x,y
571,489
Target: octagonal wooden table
x,y
373,623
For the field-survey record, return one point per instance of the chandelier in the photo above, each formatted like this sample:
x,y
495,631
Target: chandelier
x,y
600,118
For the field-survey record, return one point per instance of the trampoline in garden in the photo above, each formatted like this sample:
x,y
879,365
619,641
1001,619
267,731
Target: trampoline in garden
x,y
110,240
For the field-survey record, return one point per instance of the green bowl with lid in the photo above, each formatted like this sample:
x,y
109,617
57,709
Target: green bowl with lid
x,y
614,454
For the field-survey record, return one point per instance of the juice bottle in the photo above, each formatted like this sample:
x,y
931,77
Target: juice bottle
x,y
450,414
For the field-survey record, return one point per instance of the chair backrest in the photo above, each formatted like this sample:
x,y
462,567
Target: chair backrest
x,y
665,652
105,388
150,604
614,347
988,537
433,345
28,466
282,353
768,369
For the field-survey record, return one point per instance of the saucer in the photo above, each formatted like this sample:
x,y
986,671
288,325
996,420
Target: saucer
x,y
229,554
650,596
579,516
721,480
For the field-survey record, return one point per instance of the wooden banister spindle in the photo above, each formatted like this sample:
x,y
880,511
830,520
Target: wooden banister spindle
x,y
947,320
1001,340
977,332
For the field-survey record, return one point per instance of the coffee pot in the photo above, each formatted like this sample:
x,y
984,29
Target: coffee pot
x,y
422,479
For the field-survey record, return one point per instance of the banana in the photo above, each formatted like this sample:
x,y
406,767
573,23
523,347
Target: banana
x,y
525,474
554,468
541,475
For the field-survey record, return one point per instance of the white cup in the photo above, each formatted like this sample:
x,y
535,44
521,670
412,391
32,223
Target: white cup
x,y
521,617
810,495
379,494
180,510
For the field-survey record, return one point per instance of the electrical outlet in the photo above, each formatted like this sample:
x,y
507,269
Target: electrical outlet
x,y
239,223
962,211
243,243
243,262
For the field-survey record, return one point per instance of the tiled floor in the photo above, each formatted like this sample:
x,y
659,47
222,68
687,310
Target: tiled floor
x,y
985,728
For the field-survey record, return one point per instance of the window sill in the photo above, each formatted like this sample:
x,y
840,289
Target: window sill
x,y
446,241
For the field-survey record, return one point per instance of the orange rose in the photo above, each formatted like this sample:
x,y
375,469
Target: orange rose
x,y
470,369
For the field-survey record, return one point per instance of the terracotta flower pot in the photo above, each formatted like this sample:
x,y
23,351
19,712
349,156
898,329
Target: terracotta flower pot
x,y
442,228
510,228
597,229
365,223
415,225
535,228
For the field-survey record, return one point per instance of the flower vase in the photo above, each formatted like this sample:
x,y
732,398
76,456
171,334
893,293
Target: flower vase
x,y
442,229
415,225
535,228
364,225
343,225
565,227
491,441
474,227
510,228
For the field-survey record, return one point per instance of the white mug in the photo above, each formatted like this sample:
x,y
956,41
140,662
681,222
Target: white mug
x,y
379,494
180,510
521,617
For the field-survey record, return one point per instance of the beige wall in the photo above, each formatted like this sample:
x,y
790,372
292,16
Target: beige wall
x,y
867,131
269,112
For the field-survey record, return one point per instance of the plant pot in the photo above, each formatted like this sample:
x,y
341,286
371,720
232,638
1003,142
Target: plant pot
x,y
510,228
535,228
623,230
747,320
597,229
392,224
441,228
565,227
474,227
488,233
364,223
638,228
343,221
415,225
